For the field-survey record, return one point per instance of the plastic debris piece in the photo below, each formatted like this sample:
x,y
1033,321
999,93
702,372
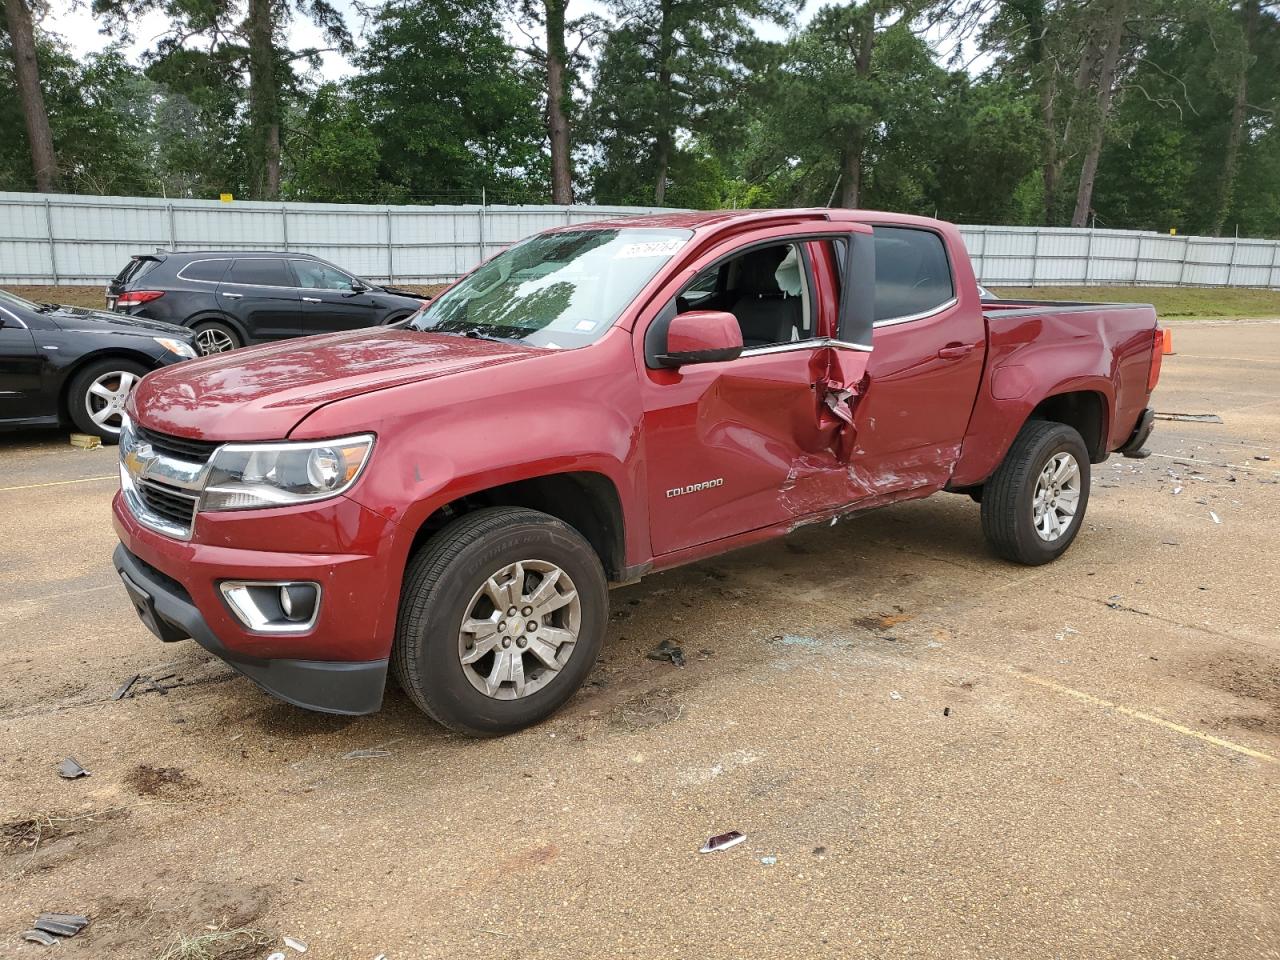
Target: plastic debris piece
x,y
1190,417
723,841
1214,517
57,927
768,861
667,650
278,955
86,441
78,919
1262,458
1176,491
70,768
39,936
126,687
295,944
894,695
362,755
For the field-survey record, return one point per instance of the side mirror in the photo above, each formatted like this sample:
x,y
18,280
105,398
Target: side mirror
x,y
702,336
359,287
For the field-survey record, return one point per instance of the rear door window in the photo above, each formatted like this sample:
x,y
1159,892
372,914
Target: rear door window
x,y
209,271
260,273
913,275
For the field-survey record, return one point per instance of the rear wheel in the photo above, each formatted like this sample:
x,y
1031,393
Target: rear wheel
x,y
1034,503
97,394
502,617
212,336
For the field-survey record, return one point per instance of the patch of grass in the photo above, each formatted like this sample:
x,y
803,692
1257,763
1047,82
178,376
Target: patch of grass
x,y
242,942
1174,303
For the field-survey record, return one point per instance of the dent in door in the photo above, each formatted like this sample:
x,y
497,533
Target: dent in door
x,y
819,477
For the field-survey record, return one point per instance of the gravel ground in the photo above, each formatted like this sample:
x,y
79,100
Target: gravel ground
x,y
931,753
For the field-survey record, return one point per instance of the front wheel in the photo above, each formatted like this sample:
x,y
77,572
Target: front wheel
x,y
1034,503
502,617
96,396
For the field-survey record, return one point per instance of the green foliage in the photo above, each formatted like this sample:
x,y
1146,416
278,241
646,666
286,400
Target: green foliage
x,y
450,107
669,73
98,117
332,153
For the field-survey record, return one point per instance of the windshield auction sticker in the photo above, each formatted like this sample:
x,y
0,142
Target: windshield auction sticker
x,y
650,248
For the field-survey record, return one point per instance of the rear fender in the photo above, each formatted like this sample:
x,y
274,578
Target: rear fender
x,y
1016,386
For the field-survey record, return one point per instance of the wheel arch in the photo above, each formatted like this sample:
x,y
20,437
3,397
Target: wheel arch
x,y
1088,412
216,316
586,500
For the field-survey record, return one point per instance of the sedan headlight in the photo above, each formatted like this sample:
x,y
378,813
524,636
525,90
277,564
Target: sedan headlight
x,y
180,347
247,475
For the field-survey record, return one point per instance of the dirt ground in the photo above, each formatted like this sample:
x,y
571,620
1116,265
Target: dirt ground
x,y
931,753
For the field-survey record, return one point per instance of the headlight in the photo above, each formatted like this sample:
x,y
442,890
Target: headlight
x,y
181,348
247,475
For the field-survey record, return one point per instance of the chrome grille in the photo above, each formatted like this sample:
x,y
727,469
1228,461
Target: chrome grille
x,y
181,448
172,503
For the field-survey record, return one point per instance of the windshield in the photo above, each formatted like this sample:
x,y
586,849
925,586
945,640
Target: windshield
x,y
555,289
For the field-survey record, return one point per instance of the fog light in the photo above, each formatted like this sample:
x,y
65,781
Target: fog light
x,y
298,601
273,606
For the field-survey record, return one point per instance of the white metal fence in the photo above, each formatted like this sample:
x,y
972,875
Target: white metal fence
x,y
1065,256
75,239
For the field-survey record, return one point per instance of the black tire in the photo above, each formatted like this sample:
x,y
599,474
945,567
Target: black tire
x,y
1007,499
79,399
217,332
439,584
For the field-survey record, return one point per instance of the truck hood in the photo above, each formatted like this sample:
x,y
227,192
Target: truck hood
x,y
263,392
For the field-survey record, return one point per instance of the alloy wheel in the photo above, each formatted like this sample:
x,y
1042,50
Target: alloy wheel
x,y
519,629
1056,497
212,340
104,400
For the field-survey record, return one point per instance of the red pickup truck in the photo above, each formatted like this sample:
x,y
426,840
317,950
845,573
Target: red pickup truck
x,y
451,499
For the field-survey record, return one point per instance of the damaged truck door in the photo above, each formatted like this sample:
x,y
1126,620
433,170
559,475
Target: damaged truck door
x,y
763,435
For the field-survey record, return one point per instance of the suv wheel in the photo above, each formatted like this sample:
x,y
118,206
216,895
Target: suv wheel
x,y
502,617
97,394
1034,503
215,337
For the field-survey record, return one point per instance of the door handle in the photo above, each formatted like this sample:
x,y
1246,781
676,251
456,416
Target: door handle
x,y
311,300
233,296
954,351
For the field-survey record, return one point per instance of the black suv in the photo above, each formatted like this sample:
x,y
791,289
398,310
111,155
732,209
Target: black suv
x,y
236,298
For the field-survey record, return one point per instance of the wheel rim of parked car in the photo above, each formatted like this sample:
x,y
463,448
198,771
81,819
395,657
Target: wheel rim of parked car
x,y
519,629
212,340
1057,496
105,398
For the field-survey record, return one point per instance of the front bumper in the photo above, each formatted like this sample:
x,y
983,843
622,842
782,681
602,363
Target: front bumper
x,y
339,664
328,686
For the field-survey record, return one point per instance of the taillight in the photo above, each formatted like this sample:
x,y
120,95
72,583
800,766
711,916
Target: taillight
x,y
1157,356
133,298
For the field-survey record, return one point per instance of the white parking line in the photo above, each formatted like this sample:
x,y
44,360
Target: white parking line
x,y
59,483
